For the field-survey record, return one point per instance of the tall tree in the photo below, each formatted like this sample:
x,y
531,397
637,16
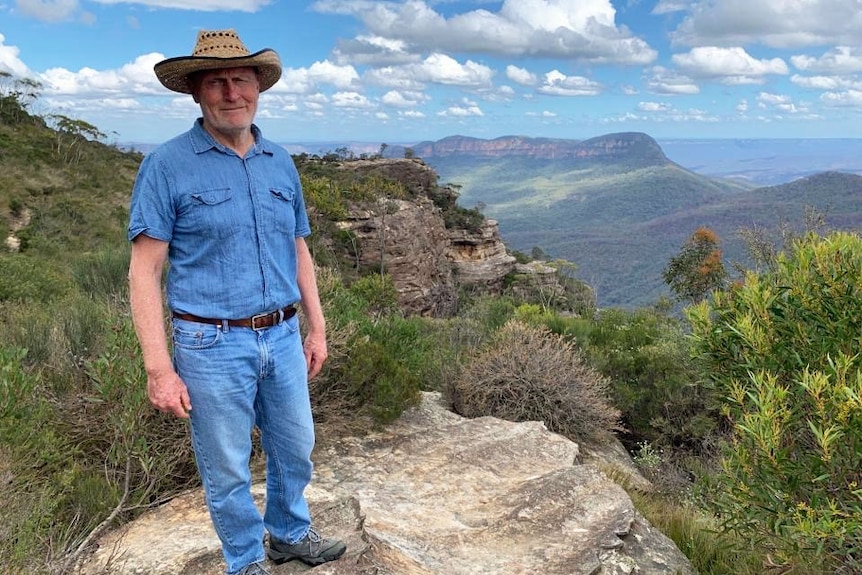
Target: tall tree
x,y
698,268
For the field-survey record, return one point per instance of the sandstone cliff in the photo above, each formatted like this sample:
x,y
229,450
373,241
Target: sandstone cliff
x,y
435,494
624,147
410,241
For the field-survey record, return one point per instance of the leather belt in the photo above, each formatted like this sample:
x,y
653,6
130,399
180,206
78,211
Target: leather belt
x,y
259,321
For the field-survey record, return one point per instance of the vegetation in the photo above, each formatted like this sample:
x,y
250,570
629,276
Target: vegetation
x,y
528,373
782,352
697,269
754,393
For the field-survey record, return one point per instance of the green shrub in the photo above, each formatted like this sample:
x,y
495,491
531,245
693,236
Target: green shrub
x,y
645,356
379,294
377,358
120,428
379,382
527,373
104,273
58,335
782,350
488,314
324,196
84,442
24,278
36,455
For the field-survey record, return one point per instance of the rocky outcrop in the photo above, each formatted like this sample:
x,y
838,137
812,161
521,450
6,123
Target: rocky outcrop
x,y
479,258
433,494
537,277
409,240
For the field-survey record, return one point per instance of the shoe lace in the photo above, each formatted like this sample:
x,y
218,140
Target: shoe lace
x,y
255,569
314,536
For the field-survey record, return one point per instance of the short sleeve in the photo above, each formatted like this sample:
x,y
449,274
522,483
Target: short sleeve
x,y
152,210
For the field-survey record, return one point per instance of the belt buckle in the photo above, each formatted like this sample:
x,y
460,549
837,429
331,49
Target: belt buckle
x,y
259,316
271,316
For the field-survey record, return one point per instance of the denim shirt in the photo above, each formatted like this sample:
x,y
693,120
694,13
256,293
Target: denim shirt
x,y
230,222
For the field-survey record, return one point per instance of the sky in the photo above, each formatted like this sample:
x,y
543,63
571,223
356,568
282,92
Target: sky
x,y
405,71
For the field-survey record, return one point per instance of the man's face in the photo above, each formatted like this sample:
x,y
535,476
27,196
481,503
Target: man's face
x,y
228,98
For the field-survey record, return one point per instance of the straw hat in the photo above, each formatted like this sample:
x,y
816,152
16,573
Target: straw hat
x,y
214,50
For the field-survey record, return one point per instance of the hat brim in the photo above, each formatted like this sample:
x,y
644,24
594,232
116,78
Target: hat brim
x,y
173,73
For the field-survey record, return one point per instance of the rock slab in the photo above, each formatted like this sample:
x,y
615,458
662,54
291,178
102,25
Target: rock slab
x,y
435,494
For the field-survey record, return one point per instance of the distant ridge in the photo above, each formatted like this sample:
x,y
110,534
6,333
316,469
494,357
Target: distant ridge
x,y
617,147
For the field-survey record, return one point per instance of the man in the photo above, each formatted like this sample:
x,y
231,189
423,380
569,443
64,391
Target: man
x,y
224,207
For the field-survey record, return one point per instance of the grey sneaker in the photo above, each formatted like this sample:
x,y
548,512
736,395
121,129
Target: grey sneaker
x,y
311,549
254,569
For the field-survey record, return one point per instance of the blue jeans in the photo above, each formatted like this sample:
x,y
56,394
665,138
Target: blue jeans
x,y
238,378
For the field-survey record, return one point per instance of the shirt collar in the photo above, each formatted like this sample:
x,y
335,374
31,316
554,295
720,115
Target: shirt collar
x,y
203,140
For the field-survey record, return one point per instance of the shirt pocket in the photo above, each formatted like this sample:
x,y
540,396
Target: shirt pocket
x,y
284,209
214,213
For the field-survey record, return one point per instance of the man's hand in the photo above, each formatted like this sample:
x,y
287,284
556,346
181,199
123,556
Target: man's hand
x,y
168,393
315,353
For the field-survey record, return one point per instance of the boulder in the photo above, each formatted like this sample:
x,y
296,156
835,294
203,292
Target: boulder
x,y
433,494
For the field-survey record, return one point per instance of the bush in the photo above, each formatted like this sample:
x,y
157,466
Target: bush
x,y
104,273
24,278
83,452
645,356
379,383
376,357
782,350
58,335
530,374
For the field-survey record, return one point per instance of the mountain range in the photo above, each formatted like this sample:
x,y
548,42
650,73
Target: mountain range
x,y
619,209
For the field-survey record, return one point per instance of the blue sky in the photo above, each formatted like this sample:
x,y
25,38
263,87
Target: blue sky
x,y
411,70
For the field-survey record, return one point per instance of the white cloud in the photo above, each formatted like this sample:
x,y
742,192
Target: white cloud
x,y
435,69
10,63
466,109
840,60
521,76
668,6
654,107
399,99
664,81
850,98
306,80
134,78
353,100
558,84
742,106
826,82
443,69
780,102
294,81
199,5
727,65
48,10
373,50
775,23
584,29
328,73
